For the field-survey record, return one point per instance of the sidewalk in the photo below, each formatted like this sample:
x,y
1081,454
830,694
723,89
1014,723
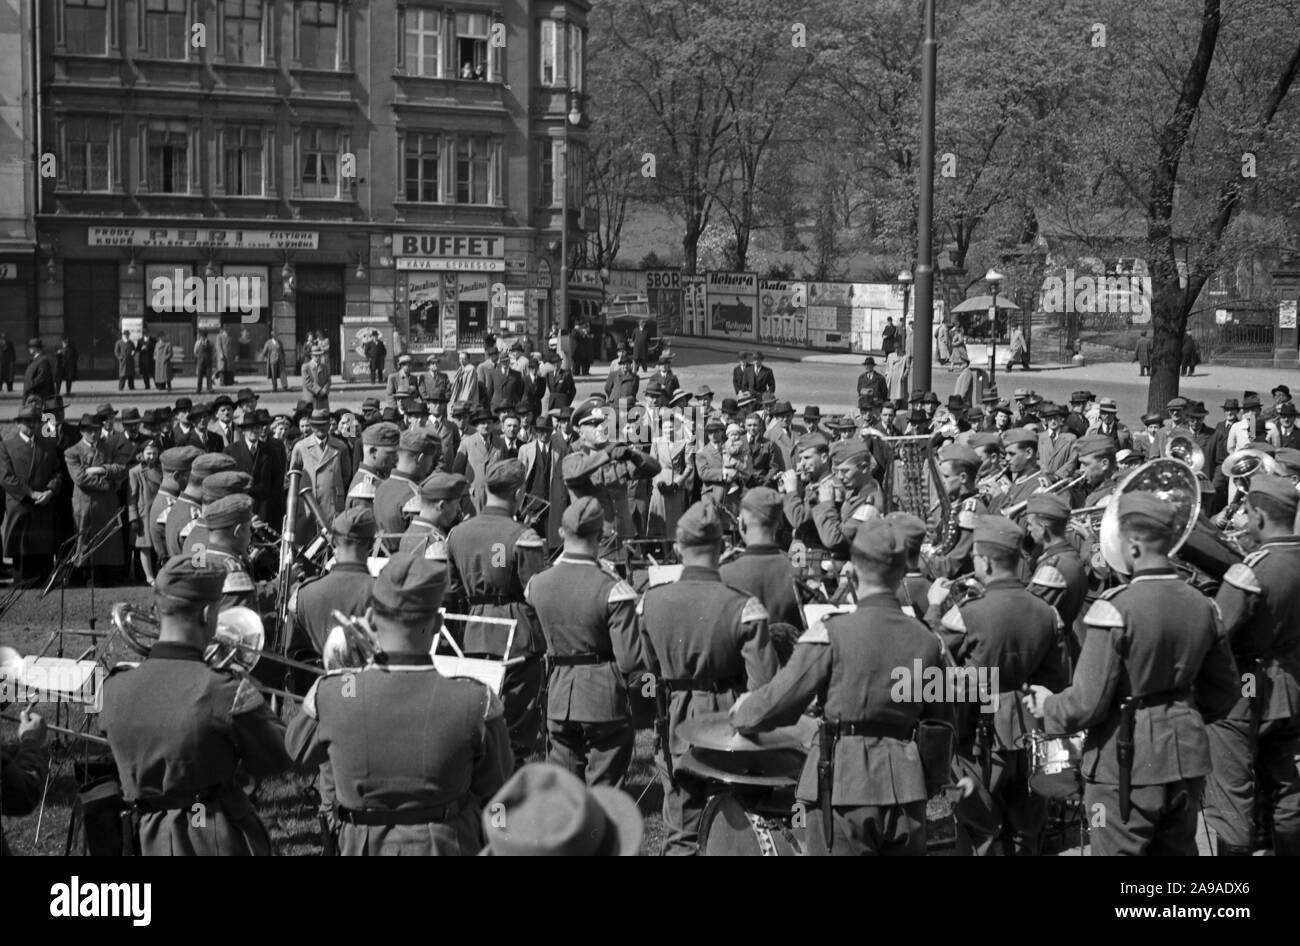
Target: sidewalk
x,y
725,346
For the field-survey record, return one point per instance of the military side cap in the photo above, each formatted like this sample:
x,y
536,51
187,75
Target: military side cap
x,y
209,463
415,441
358,522
547,811
812,440
1049,506
1288,457
504,475
228,511
761,499
1094,443
225,483
443,486
849,451
584,517
410,585
910,530
1279,489
984,439
998,531
959,454
382,434
180,577
699,525
1148,506
876,541
178,459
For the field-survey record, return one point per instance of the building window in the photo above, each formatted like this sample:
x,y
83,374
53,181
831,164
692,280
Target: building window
x,y
546,173
472,45
318,34
244,162
89,153
423,161
422,42
166,29
473,169
168,157
548,37
242,30
576,38
320,162
85,26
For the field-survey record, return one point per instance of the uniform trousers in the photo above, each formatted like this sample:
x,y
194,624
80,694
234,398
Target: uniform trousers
x,y
1161,820
599,753
869,831
1004,811
1230,792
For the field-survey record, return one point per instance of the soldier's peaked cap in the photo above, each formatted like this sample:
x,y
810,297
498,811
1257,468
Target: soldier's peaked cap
x,y
410,586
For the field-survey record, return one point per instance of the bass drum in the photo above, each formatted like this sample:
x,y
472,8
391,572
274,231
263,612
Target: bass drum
x,y
731,828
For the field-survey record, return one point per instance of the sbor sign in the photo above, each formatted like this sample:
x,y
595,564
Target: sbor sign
x,y
663,279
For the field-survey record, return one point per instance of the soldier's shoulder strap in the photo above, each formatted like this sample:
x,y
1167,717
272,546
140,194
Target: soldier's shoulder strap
x,y
620,592
247,697
1241,575
1047,575
1104,614
528,539
953,620
819,633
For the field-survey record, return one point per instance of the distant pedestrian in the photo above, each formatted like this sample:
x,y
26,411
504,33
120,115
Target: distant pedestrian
x,y
225,362
66,356
889,337
124,352
203,361
1191,355
164,355
273,355
7,357
144,356
1019,350
1142,355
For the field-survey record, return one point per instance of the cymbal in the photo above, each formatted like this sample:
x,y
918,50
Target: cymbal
x,y
775,768
714,731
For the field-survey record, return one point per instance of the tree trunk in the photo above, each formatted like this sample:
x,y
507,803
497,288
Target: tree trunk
x,y
1169,322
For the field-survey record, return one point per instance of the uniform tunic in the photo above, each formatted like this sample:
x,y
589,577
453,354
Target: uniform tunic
x,y
391,497
345,587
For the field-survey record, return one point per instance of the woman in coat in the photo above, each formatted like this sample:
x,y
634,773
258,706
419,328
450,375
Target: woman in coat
x,y
163,355
144,478
668,499
958,353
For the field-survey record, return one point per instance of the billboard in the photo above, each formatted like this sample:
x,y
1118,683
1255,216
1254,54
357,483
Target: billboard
x,y
693,304
782,312
731,304
664,297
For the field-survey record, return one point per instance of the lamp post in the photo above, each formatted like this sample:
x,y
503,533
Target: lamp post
x,y
574,117
922,356
994,279
905,280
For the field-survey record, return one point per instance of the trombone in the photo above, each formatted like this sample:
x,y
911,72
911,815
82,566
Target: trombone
x,y
1060,486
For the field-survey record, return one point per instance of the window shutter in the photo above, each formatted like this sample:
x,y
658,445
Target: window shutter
x,y
346,186
400,176
65,157
269,161
345,34
447,169
192,156
561,53
141,22
496,64
142,137
401,41
496,178
299,169
219,165
269,33
115,155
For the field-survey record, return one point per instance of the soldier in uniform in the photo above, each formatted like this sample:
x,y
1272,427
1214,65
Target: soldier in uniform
x,y
706,643
914,587
852,468
189,504
181,732
491,558
344,588
1096,454
993,478
801,487
1009,638
949,554
1254,750
176,464
194,534
380,442
417,453
438,507
1058,573
1155,668
762,569
594,468
1025,475
587,615
229,522
444,752
849,663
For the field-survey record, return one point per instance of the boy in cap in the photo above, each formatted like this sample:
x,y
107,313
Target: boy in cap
x,y
1012,639
586,615
417,455
414,756
437,507
345,587
182,733
950,554
1253,750
380,442
762,569
491,558
879,786
707,643
544,811
1155,668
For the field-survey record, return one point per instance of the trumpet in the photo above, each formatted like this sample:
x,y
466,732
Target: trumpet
x,y
1060,486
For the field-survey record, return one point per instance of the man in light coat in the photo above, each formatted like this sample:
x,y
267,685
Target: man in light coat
x,y
316,381
327,470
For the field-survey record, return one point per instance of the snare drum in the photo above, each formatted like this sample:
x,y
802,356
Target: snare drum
x,y
1054,764
732,827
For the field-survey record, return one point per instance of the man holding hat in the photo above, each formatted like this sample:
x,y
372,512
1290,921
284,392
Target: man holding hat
x,y
762,569
417,454
1254,749
848,662
1249,429
380,443
1059,575
1014,639
872,381
708,643
1146,440
176,463
1281,395
1155,669
183,733
96,479
587,616
419,788
264,462
30,473
438,506
326,470
41,377
544,811
344,588
1056,446
491,558
189,504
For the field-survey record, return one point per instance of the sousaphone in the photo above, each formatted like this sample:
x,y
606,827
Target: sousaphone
x,y
1174,482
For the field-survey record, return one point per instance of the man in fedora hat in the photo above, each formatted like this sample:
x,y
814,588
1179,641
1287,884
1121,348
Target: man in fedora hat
x,y
327,470
475,451
265,462
764,379
124,352
30,473
872,382
316,379
543,460
41,377
1283,431
544,811
742,376
1108,424
96,479
812,420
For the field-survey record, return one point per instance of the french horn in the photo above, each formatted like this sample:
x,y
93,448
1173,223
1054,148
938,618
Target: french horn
x,y
1174,482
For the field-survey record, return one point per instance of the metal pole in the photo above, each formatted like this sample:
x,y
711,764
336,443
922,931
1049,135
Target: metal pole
x,y
993,339
921,360
561,317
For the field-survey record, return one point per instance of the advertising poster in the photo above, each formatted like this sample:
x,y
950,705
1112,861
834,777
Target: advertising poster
x,y
354,337
731,303
830,315
473,294
693,304
664,298
425,294
782,312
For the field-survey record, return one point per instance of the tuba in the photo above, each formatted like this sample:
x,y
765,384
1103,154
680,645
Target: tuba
x,y
1174,482
1182,445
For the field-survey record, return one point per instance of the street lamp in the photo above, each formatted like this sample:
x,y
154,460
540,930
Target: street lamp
x,y
905,280
574,117
994,279
922,355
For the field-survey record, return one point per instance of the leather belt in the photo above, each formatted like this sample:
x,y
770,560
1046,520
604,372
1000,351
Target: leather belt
x,y
1163,698
687,684
389,817
874,729
156,804
582,660
494,600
